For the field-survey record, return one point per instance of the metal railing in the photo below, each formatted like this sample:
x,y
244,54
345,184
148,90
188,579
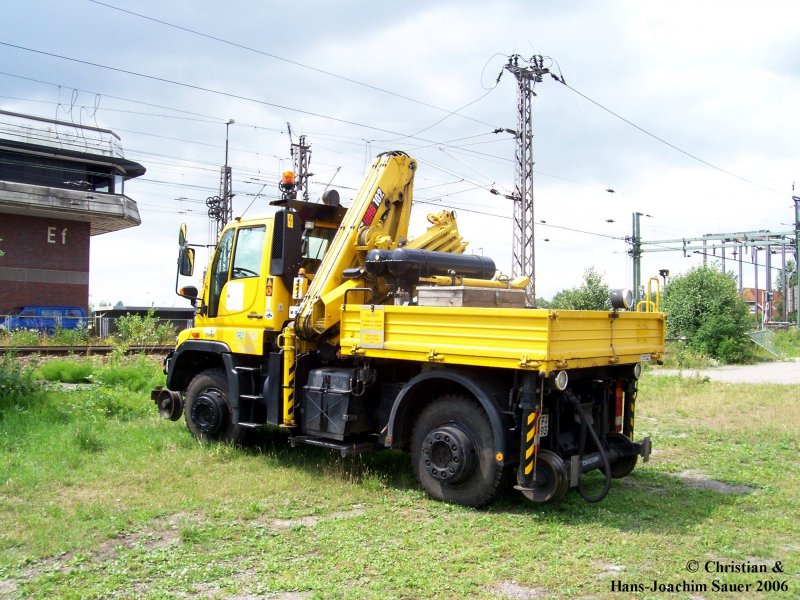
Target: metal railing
x,y
99,327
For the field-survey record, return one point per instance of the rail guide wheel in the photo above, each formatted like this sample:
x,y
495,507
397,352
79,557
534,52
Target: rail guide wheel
x,y
551,482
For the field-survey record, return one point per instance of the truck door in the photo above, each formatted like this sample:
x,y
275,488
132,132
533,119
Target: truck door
x,y
236,273
220,269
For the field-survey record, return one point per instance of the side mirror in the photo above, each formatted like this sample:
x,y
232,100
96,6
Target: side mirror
x,y
182,235
189,292
186,261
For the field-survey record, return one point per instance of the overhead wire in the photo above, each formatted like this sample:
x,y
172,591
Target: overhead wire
x,y
280,58
379,129
665,142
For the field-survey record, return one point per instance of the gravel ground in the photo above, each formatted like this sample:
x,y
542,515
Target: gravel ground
x,y
785,372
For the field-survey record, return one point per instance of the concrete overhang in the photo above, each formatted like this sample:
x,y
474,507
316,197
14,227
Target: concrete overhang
x,y
104,212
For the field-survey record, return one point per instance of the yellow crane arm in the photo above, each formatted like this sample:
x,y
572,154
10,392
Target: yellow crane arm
x,y
378,218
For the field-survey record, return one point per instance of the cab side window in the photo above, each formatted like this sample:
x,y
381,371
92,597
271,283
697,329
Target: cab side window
x,y
219,271
249,251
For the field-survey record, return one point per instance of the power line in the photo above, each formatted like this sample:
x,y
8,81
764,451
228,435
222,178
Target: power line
x,y
665,142
427,144
208,90
289,61
198,88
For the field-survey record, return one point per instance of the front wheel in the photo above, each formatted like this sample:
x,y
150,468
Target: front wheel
x,y
208,411
452,452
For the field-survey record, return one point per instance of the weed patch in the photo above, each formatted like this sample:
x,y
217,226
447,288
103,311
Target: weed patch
x,y
66,371
17,384
138,374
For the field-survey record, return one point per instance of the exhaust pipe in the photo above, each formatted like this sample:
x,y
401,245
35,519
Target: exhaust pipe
x,y
169,403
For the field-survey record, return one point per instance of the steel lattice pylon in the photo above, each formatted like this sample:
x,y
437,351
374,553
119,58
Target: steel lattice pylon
x,y
220,208
523,260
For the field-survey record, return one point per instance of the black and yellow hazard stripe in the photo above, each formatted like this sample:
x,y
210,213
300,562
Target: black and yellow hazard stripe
x,y
530,445
630,414
289,366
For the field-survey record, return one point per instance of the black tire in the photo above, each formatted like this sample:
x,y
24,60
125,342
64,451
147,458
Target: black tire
x,y
208,409
453,452
624,465
551,483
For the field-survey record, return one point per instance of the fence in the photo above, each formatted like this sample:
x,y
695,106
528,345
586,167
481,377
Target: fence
x,y
99,326
106,327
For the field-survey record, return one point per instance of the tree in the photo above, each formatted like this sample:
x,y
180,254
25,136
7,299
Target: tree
x,y
594,294
703,306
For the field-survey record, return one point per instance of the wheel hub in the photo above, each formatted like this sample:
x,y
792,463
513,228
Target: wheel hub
x,y
208,411
449,454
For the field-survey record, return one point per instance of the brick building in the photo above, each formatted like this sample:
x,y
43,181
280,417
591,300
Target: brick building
x,y
60,184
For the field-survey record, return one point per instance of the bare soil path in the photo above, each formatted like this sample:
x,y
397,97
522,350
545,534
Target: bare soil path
x,y
784,372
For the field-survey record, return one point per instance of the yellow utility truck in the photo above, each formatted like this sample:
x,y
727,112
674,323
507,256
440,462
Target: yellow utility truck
x,y
335,324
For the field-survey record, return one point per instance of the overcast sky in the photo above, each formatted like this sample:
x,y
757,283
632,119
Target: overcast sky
x,y
717,82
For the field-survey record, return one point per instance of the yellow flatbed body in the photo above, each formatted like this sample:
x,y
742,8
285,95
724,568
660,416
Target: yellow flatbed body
x,y
530,339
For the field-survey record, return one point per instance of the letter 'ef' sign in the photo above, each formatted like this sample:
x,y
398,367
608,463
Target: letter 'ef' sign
x,y
51,235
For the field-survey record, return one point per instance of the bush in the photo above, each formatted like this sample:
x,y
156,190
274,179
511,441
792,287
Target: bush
x,y
23,337
704,307
17,385
137,330
594,294
69,337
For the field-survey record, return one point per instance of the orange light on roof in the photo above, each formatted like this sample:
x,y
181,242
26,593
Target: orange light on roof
x,y
288,178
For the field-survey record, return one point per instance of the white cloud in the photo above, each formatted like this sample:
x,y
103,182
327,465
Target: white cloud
x,y
717,80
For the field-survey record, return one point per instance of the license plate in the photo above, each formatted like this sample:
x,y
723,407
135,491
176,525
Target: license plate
x,y
544,425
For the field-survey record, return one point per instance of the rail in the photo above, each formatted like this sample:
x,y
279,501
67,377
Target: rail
x,y
82,350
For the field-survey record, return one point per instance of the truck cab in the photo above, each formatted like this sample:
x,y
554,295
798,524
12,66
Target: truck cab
x,y
246,298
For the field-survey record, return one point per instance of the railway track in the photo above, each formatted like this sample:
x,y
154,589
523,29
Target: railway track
x,y
81,350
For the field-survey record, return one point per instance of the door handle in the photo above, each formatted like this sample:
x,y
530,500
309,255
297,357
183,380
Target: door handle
x,y
253,315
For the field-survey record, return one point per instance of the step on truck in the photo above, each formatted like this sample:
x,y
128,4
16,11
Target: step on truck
x,y
333,323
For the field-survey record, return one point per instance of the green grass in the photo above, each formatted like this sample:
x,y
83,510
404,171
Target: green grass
x,y
102,499
787,341
67,371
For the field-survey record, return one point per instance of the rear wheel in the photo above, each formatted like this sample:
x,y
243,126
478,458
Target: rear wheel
x,y
452,452
208,411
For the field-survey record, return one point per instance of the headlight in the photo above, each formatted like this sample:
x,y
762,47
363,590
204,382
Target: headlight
x,y
621,299
561,380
